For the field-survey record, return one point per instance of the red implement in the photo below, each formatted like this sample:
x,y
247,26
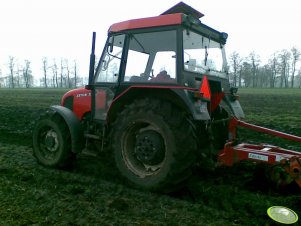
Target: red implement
x,y
288,160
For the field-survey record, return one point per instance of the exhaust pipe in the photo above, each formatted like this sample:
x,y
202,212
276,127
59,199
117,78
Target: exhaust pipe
x,y
92,63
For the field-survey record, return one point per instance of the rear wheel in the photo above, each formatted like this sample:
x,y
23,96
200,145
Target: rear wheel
x,y
52,142
154,147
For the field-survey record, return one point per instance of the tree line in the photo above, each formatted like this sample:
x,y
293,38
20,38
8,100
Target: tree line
x,y
61,73
281,70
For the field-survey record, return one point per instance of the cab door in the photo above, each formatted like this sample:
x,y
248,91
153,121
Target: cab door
x,y
107,77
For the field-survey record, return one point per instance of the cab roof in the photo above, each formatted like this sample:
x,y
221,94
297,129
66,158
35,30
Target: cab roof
x,y
176,15
158,21
173,16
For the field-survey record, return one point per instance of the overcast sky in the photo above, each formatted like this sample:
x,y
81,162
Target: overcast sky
x,y
33,29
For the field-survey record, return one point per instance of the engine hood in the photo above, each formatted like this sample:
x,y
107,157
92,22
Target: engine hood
x,y
77,100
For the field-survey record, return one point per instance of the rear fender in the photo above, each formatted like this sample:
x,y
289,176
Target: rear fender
x,y
74,125
179,96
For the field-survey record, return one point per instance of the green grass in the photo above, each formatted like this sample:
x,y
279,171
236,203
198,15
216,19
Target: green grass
x,y
278,109
270,91
19,108
35,97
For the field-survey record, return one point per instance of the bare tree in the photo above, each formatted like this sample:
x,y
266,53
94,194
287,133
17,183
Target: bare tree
x,y
296,57
27,74
45,67
11,65
68,83
17,77
55,74
255,60
235,61
273,66
284,57
246,73
240,75
62,73
299,77
65,74
263,76
75,73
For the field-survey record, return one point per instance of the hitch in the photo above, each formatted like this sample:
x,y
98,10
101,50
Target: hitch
x,y
288,162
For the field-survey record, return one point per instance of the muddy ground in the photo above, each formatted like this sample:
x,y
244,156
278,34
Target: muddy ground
x,y
91,194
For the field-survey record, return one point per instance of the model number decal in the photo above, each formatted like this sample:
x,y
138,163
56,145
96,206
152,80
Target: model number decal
x,y
258,157
83,95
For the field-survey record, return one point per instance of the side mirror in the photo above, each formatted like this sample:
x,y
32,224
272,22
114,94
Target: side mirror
x,y
111,45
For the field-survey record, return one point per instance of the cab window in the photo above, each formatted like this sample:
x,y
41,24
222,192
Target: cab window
x,y
109,66
152,58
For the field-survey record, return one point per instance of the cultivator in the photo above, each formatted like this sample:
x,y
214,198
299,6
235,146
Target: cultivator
x,y
286,164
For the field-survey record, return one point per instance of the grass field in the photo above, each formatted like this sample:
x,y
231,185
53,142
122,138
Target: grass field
x,y
278,109
91,193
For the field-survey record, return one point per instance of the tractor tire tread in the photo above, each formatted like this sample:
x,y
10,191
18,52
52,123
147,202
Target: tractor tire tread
x,y
185,154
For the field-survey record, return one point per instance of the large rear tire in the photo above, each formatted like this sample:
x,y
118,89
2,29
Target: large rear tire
x,y
52,142
154,146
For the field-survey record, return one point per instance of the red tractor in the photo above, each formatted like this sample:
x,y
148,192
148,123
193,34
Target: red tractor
x,y
159,99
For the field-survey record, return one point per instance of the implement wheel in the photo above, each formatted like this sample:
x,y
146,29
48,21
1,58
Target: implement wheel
x,y
153,145
52,142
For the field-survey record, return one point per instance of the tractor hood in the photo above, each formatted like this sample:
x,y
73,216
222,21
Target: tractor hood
x,y
78,101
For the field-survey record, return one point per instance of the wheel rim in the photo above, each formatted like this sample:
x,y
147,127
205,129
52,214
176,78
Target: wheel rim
x,y
49,143
143,149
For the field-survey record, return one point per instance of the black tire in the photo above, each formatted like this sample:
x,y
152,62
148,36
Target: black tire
x,y
52,142
154,146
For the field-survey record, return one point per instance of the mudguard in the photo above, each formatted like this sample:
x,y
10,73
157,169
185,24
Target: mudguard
x,y
177,95
74,125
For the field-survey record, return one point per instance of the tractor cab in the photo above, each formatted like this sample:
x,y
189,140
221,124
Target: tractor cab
x,y
173,50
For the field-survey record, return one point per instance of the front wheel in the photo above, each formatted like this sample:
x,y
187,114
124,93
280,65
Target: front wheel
x,y
153,144
51,142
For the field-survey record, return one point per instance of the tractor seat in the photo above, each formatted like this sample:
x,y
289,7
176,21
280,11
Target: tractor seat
x,y
136,78
163,77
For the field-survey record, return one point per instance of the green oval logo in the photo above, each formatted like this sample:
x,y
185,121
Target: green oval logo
x,y
282,215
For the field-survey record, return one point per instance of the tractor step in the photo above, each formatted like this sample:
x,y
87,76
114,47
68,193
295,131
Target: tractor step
x,y
92,136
